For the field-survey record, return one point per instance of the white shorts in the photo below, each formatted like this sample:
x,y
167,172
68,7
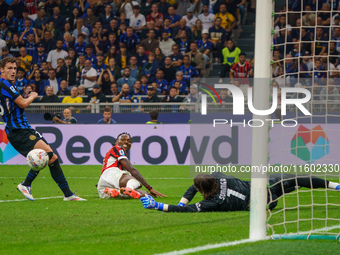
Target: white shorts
x,y
110,178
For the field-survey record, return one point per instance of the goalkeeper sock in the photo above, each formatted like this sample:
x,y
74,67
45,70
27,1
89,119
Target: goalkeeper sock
x,y
58,176
333,185
30,177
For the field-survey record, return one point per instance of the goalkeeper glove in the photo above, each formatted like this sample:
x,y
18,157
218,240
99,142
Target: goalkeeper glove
x,y
150,203
181,204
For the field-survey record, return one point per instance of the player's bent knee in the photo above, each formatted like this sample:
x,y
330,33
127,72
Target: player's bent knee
x,y
53,157
133,184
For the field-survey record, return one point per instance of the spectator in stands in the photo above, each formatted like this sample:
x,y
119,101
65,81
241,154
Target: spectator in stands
x,y
319,72
88,75
196,31
218,35
166,28
163,7
15,45
182,7
25,60
52,81
49,96
225,98
137,89
40,55
152,96
150,68
206,17
182,85
228,20
5,53
42,19
156,17
80,46
27,90
282,24
130,39
66,8
35,78
90,19
54,55
151,42
106,17
161,82
21,81
68,119
241,71
74,97
137,20
194,96
100,33
169,70
190,18
96,96
166,44
31,42
47,40
136,71
142,58
113,89
176,56
173,18
172,98
5,34
81,29
69,72
126,79
81,91
177,32
63,91
11,21
60,64
123,96
308,18
196,57
57,19
188,70
80,65
89,54
114,69
205,46
18,8
320,44
123,57
107,117
284,41
104,81
325,14
99,65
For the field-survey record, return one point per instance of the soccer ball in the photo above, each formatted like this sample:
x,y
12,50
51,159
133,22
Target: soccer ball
x,y
37,159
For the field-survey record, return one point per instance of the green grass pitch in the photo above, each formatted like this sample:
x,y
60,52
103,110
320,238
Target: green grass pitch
x,y
52,226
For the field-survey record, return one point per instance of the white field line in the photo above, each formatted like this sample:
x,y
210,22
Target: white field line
x,y
215,246
207,247
40,198
83,177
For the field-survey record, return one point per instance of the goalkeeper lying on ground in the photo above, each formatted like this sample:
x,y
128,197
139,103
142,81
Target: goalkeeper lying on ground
x,y
226,193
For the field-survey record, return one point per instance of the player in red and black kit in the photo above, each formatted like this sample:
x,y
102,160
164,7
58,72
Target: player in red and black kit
x,y
119,177
222,193
241,70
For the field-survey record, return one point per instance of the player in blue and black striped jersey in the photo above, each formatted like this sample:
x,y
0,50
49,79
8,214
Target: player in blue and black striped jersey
x,y
21,135
222,193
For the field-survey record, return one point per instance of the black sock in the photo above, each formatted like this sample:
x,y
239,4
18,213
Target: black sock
x,y
30,177
58,176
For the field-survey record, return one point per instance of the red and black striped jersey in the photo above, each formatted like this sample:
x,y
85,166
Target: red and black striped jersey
x,y
113,156
241,72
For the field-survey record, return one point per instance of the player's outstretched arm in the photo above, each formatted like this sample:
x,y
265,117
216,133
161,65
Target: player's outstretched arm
x,y
24,102
188,196
135,173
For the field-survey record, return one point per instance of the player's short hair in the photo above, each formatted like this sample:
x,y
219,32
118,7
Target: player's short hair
x,y
108,110
206,184
153,114
6,60
124,133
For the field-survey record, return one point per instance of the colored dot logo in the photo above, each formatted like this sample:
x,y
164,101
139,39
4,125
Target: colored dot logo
x,y
7,151
310,145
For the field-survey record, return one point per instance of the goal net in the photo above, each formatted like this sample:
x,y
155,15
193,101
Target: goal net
x,y
306,46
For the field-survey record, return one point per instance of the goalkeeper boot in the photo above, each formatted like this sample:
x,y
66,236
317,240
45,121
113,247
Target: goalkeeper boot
x,y
337,188
26,191
111,192
130,192
74,198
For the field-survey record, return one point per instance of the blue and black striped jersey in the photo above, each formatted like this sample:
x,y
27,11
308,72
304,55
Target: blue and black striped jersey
x,y
11,113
